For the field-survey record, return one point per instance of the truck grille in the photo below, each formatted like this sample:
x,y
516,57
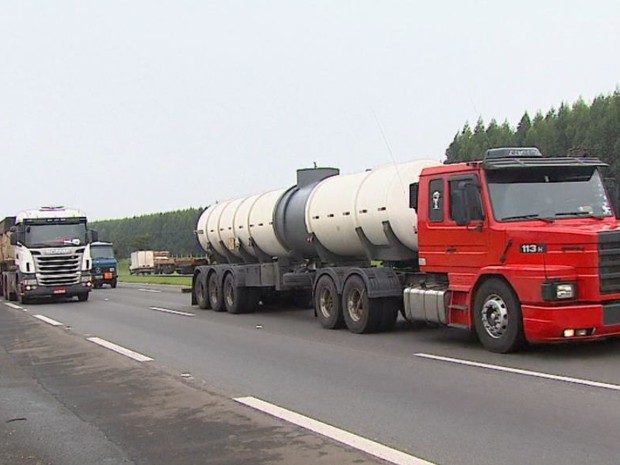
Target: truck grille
x,y
609,261
58,270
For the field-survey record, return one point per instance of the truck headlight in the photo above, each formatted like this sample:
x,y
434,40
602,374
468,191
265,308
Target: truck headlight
x,y
559,290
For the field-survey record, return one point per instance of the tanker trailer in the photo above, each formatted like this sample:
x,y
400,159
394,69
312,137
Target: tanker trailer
x,y
319,241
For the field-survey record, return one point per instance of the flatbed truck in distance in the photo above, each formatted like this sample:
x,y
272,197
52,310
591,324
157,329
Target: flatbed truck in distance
x,y
516,247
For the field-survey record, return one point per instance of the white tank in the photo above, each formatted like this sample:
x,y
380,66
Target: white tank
x,y
228,224
340,204
261,223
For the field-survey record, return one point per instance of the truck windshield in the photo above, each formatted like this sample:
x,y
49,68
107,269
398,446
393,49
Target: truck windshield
x,y
547,193
101,251
54,234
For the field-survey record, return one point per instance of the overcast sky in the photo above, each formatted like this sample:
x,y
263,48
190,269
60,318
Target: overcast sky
x,y
123,108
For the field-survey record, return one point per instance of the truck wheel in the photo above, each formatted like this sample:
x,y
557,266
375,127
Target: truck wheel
x,y
235,298
97,284
361,314
497,317
23,299
200,292
83,297
113,283
327,304
389,315
215,293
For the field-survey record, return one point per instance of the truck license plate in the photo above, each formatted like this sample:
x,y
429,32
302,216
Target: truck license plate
x,y
107,275
60,291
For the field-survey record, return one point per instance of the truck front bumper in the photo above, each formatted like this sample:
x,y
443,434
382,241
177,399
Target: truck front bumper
x,y
549,324
60,291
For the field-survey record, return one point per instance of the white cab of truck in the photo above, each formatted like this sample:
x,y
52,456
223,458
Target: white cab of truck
x,y
46,253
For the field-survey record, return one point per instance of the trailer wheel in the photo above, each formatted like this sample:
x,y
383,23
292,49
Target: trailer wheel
x,y
201,294
497,317
361,314
215,293
391,307
235,298
327,304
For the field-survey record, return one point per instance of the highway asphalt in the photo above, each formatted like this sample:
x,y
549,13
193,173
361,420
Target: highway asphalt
x,y
432,393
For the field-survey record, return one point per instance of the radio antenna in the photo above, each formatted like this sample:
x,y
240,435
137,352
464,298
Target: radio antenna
x,y
382,131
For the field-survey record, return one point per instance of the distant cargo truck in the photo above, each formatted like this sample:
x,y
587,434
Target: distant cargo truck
x,y
105,266
45,252
151,262
161,262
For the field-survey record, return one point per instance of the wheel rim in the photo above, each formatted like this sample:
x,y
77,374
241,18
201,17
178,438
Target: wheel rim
x,y
229,294
326,302
213,294
495,316
200,293
354,305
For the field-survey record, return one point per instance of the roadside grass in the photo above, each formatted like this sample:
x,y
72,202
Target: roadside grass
x,y
125,277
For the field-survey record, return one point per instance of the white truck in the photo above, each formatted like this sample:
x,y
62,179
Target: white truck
x,y
45,252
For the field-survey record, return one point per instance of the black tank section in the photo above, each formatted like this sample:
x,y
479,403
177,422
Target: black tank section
x,y
290,212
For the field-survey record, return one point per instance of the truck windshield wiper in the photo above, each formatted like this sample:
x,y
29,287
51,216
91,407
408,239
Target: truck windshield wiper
x,y
579,213
528,217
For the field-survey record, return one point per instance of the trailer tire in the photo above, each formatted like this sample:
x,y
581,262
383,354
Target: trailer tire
x,y
361,314
214,290
497,317
391,307
235,298
201,294
327,304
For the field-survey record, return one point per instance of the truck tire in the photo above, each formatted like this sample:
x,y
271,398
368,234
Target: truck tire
x,y
361,314
23,299
97,284
215,293
83,297
235,298
200,293
114,283
327,304
497,317
391,307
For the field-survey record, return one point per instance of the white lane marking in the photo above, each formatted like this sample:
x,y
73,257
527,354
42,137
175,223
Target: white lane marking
x,y
352,440
48,320
121,350
174,312
12,305
518,371
149,290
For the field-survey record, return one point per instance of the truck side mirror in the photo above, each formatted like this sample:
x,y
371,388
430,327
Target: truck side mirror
x,y
13,237
458,207
93,236
413,196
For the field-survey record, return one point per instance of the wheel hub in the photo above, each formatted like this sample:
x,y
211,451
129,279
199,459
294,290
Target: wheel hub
x,y
354,305
326,303
495,316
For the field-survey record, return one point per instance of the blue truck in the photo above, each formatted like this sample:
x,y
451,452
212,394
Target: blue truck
x,y
105,266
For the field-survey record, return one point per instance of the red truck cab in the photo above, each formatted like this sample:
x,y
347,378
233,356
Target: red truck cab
x,y
529,247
